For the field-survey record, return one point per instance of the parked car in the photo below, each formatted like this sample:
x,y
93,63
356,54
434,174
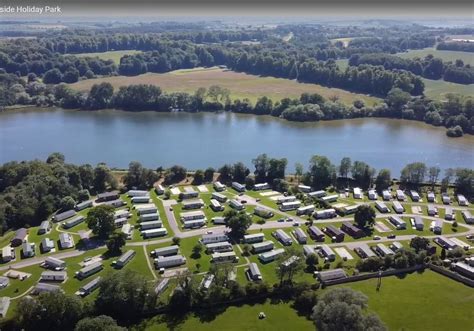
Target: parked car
x,y
281,220
377,238
391,236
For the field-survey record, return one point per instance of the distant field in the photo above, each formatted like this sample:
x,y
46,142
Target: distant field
x,y
437,89
345,41
241,85
112,55
468,58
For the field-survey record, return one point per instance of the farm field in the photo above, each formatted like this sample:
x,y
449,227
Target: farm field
x,y
466,57
111,55
240,85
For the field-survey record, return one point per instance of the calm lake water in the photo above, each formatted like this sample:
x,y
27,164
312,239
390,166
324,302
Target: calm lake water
x,y
200,140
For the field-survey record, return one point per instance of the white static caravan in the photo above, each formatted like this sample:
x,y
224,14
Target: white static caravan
x,y
119,222
386,196
159,189
219,197
317,194
149,217
127,230
73,222
263,246
373,195
419,225
316,233
326,252
397,222
432,210
64,215
137,193
146,209
263,212
44,227
192,215
219,187
261,186
122,213
253,272
415,197
300,236
224,257
330,198
66,240
381,206
283,237
467,216
397,207
364,251
89,270
47,245
445,243
308,250
84,204
191,194
400,195
431,197
115,203
223,246
396,246
238,187
218,220
28,249
125,258
193,204
141,199
304,188
215,205
165,251
151,225
357,193
7,254
194,224
162,286
446,198
253,238
234,203
305,210
449,214
287,206
90,287
53,276
437,226
383,250
462,200
152,233
270,255
54,263
324,214
213,238
169,261
288,198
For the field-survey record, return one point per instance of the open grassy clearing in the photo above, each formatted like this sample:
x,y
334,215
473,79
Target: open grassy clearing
x,y
111,55
437,89
467,58
241,85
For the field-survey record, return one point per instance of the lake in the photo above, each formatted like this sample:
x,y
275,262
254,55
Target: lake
x,y
206,139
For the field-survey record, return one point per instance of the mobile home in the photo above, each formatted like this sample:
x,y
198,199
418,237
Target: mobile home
x,y
53,276
397,222
89,270
159,189
431,197
381,206
317,194
304,188
263,212
152,233
418,222
449,214
151,225
316,233
219,197
141,199
261,186
218,220
445,243
90,287
467,216
253,272
62,216
437,226
253,238
234,203
20,237
288,198
47,245
84,204
224,257
415,197
222,246
300,236
66,240
270,255
123,213
462,200
73,222
263,246
324,214
326,252
397,207
149,217
7,254
213,238
238,187
146,209
373,195
305,210
446,198
386,195
432,210
215,205
334,233
137,193
169,261
308,250
54,263
383,250
44,227
283,237
219,187
192,215
125,258
193,204
194,224
127,230
357,193
108,196
330,198
115,203
352,230
286,206
165,251
400,195
364,251
188,195
28,249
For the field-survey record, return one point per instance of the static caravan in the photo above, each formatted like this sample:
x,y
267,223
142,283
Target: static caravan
x,y
263,246
20,237
364,251
464,269
253,272
4,305
73,222
62,216
7,254
334,233
415,197
219,197
159,189
305,210
149,217
288,198
206,282
141,199
261,186
137,193
254,238
317,194
431,197
215,205
152,233
125,258
352,230
146,209
291,260
193,204
386,195
90,287
47,245
396,246
115,203
432,210
283,237
446,198
418,222
194,224
326,252
330,198
224,257
316,233
348,210
400,195
89,270
300,236
44,227
84,204
397,222
397,207
234,203
308,250
151,225
373,195
383,250
462,200
218,220
357,193
263,212
119,222
45,287
445,243
123,213
331,275
286,206
108,196
222,246
188,195
381,206
66,240
238,187
162,286
437,226
54,263
165,251
467,216
219,187
127,230
449,214
324,214
169,261
192,215
213,238
28,249
304,188
270,255
53,276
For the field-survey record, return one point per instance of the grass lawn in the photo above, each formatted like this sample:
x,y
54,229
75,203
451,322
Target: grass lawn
x,y
240,85
111,55
452,56
437,89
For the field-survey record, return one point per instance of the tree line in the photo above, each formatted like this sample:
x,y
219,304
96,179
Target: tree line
x,y
456,46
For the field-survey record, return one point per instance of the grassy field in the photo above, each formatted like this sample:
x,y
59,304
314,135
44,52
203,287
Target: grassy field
x,y
241,85
452,56
112,55
437,89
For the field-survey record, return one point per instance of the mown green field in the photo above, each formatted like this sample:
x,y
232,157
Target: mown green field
x,y
437,89
111,55
467,58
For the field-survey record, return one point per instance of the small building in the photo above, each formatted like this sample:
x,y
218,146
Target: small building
x,y
381,207
288,198
330,198
305,210
357,193
127,230
364,251
4,305
219,187
162,286
347,210
352,230
283,237
8,254
188,195
150,225
287,206
19,238
219,197
446,198
89,270
270,255
432,210
397,222
218,220
300,236
192,215
334,233
449,214
169,261
263,212
125,258
331,275
193,204
437,226
263,246
317,194
238,187
194,224
316,233
462,200
213,238
215,205
149,217
400,195
115,203
166,251
159,189
65,240
467,216
418,223
73,222
224,257
47,245
62,216
108,196
304,188
415,197
90,287
146,209
137,193
431,197
153,233
253,238
222,246
386,196
464,269
327,253
236,204
373,195
4,282
325,214
28,249
308,250
445,243
140,199
253,272
44,227
398,208
53,276
261,187
206,282
396,246
84,204
382,250
45,287
54,263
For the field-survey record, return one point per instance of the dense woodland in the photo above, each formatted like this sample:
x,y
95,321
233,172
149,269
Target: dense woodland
x,y
456,46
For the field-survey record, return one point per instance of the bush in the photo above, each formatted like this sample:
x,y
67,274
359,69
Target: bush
x,y
455,132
